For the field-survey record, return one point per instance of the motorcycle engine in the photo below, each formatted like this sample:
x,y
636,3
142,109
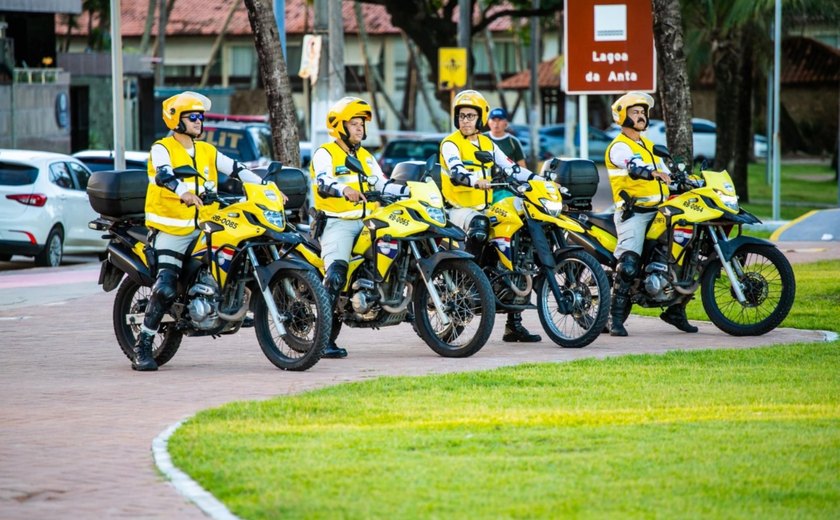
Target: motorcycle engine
x,y
365,298
203,305
657,282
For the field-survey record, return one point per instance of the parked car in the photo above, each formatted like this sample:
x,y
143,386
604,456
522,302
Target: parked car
x,y
247,142
44,208
101,160
553,138
399,150
704,137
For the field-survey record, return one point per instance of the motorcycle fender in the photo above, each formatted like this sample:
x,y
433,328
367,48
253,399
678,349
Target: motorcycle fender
x,y
427,265
126,261
266,272
729,247
541,245
109,276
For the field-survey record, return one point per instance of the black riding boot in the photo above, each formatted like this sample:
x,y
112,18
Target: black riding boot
x,y
619,308
334,280
675,315
515,332
143,360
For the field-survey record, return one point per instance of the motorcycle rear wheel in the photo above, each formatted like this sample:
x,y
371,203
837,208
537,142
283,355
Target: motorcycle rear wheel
x,y
470,307
580,318
131,299
769,287
301,300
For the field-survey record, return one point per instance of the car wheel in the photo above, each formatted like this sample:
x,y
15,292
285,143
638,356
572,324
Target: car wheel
x,y
53,250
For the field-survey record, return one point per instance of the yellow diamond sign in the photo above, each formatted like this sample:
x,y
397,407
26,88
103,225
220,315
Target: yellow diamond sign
x,y
452,68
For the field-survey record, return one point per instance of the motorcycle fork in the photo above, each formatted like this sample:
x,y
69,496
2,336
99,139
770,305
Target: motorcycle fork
x,y
734,278
266,294
444,318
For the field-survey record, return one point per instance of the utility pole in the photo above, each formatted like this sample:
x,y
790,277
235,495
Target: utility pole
x,y
160,78
118,102
336,48
320,94
535,64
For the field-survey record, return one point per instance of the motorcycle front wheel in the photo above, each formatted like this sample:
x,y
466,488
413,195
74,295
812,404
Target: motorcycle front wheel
x,y
468,302
579,316
304,308
769,288
129,310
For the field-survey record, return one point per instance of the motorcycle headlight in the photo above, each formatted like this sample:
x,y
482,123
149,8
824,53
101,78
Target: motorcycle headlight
x,y
436,214
552,207
276,219
730,201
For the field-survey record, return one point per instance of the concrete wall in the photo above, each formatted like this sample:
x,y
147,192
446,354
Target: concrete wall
x,y
28,116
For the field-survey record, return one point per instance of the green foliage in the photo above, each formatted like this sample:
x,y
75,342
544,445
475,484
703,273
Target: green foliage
x,y
805,187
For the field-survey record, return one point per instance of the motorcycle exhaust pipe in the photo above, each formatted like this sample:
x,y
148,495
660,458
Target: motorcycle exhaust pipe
x,y
529,284
240,314
402,306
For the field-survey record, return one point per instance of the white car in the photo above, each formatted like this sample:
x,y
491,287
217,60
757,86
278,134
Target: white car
x,y
704,137
44,208
99,160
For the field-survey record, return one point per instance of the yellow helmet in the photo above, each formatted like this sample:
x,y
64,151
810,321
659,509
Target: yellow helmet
x,y
184,102
472,99
631,99
344,110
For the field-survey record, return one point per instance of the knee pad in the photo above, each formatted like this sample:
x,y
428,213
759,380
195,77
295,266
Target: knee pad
x,y
166,286
479,229
336,276
628,266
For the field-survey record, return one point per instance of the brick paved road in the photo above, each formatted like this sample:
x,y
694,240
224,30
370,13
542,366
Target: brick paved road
x,y
76,424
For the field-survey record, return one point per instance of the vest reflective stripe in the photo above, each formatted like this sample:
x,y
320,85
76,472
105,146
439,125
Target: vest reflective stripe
x,y
164,209
647,193
339,206
466,196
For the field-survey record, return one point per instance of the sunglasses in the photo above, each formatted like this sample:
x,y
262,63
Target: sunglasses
x,y
467,117
195,116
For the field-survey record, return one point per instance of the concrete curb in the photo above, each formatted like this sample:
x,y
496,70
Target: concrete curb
x,y
182,482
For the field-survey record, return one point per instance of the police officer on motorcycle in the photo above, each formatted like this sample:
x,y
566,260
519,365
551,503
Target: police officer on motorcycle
x,y
464,185
339,194
639,182
171,205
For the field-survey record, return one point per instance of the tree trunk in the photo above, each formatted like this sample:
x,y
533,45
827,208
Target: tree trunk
x,y
743,121
726,61
169,5
380,83
674,90
147,28
275,79
217,44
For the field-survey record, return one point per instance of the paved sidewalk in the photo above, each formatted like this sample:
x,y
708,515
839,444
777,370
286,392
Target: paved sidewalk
x,y
76,424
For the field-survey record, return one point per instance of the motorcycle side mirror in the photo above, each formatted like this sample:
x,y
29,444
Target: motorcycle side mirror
x,y
354,165
274,167
661,151
186,171
430,164
484,156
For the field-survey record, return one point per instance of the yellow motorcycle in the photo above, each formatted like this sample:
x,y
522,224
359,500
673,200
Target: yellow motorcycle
x,y
527,253
398,272
242,249
695,242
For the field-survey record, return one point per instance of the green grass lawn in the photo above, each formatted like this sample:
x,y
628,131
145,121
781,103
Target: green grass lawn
x,y
705,434
805,187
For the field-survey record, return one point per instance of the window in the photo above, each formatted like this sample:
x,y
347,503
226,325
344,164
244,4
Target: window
x,y
17,174
242,61
81,174
60,176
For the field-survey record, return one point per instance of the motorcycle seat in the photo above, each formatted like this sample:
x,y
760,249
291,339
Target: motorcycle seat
x,y
139,233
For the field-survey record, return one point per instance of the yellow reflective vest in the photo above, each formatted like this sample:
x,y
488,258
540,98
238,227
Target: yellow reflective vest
x,y
466,196
164,209
339,206
648,194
